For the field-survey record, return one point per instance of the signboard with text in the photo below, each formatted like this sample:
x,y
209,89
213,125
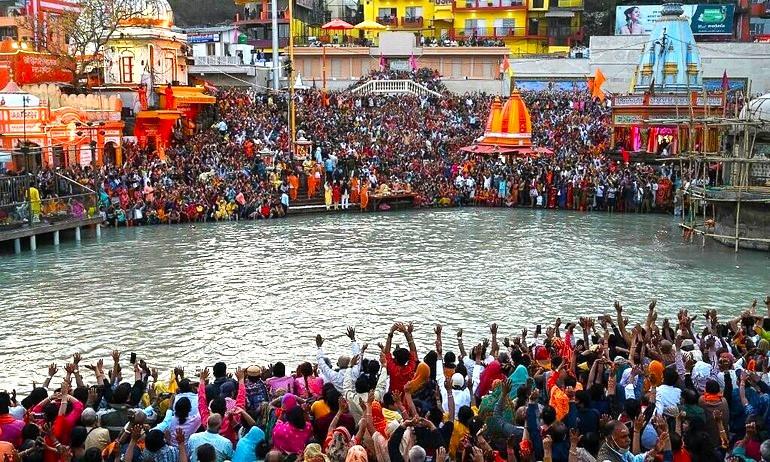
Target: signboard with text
x,y
202,38
704,19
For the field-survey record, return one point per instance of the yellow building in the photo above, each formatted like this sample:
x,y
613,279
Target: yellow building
x,y
524,26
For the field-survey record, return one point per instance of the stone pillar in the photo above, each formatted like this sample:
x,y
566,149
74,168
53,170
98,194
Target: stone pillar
x,y
17,245
33,242
77,234
56,237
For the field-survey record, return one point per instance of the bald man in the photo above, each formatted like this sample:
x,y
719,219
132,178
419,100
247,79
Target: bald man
x,y
222,446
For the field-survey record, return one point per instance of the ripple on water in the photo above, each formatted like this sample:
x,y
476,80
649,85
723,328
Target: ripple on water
x,y
260,291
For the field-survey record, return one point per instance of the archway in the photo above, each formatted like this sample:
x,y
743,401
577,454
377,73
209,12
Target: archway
x,y
109,153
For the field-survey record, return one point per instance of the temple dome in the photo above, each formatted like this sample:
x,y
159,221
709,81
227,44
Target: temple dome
x,y
150,13
509,124
670,60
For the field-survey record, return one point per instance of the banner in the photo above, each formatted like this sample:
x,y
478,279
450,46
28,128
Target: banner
x,y
704,19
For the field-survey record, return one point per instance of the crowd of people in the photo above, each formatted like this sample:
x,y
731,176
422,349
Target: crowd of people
x,y
239,167
593,389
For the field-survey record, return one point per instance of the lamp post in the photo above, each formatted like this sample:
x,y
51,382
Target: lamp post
x,y
24,147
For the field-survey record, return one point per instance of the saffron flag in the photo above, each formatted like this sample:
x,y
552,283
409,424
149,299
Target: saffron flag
x,y
633,80
599,79
412,62
505,67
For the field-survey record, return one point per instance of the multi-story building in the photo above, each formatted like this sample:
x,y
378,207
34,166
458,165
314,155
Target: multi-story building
x,y
255,21
525,26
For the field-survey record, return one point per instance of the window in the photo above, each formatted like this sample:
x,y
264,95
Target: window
x,y
506,26
211,49
126,69
413,12
9,31
387,13
475,27
538,4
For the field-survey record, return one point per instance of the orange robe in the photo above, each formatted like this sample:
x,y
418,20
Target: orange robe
x,y
310,185
354,195
364,196
293,186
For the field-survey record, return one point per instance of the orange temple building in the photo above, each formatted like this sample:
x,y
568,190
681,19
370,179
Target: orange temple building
x,y
42,128
508,131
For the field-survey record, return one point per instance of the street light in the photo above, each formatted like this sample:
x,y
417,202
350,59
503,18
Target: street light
x,y
24,147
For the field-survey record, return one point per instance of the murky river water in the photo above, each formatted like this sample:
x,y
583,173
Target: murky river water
x,y
254,292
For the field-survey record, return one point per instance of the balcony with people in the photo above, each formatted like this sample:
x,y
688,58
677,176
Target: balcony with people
x,y
412,22
260,13
464,5
388,19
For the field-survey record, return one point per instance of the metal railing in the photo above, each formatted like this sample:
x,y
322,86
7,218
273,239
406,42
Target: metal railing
x,y
388,20
412,22
467,4
49,211
394,87
471,34
217,61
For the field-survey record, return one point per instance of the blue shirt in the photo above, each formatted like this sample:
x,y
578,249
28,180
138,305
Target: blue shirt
x,y
222,445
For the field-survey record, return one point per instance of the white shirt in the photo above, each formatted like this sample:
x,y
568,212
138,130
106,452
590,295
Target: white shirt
x,y
337,378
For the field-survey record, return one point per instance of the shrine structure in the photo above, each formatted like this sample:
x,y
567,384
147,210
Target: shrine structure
x,y
654,120
42,128
508,131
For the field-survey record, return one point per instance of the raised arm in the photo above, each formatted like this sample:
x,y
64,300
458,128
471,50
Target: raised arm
x,y
621,324
203,405
495,345
389,341
460,346
240,398
410,339
450,399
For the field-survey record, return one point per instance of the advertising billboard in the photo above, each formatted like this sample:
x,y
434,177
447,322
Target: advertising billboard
x,y
704,19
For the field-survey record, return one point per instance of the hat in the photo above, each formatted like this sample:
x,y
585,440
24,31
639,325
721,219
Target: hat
x,y
253,371
458,380
688,344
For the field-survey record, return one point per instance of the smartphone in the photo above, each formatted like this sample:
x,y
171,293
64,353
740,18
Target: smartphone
x,y
538,330
133,358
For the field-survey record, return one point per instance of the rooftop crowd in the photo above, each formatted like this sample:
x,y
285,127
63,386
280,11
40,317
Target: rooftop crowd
x,y
239,166
592,389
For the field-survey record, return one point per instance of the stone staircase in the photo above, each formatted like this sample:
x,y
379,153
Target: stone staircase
x,y
393,87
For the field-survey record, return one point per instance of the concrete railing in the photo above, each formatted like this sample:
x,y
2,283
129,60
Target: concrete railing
x,y
394,87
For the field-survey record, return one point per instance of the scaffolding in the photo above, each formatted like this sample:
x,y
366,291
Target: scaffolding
x,y
734,181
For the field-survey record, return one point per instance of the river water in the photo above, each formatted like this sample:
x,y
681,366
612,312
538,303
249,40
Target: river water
x,y
253,292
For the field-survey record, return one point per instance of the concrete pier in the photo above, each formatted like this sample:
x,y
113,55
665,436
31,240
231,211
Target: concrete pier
x,y
40,229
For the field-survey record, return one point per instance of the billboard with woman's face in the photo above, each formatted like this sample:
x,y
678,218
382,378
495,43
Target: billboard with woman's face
x,y
704,19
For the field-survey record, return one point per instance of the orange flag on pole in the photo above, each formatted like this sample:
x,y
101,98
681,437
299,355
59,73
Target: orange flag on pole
x,y
596,88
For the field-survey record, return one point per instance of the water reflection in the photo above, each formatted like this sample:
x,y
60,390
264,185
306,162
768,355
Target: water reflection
x,y
260,291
